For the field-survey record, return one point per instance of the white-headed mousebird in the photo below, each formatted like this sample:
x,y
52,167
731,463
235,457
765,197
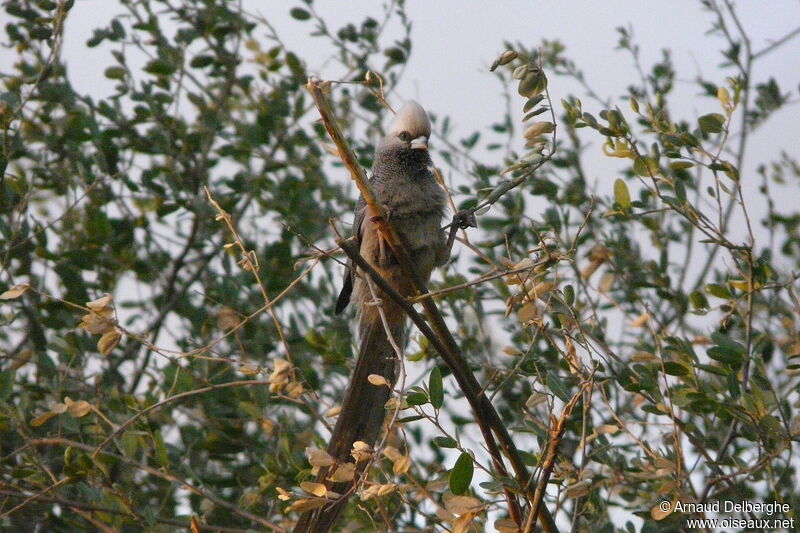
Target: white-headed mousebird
x,y
404,183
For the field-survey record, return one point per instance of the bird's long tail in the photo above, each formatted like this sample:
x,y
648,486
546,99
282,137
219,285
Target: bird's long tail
x,y
363,409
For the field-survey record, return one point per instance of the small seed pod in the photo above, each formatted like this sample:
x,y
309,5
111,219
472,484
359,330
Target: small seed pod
x,y
520,72
506,57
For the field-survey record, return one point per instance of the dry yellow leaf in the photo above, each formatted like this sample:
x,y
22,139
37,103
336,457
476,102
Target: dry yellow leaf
x,y
101,304
369,492
108,341
461,525
95,323
510,350
344,472
740,284
316,489
606,282
15,292
280,375
662,509
317,457
41,419
535,399
377,380
305,504
295,389
526,262
402,465
607,428
540,289
459,505
392,453
386,489
249,369
227,318
58,408
640,320
576,490
527,312
79,409
361,451
643,357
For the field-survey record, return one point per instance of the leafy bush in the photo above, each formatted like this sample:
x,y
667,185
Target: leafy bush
x,y
638,337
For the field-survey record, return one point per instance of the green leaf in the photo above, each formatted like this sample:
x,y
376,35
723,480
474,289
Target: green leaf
x,y
159,67
723,355
726,350
680,191
773,427
621,194
556,386
7,383
728,343
711,369
532,102
645,167
41,33
115,73
161,449
711,123
719,291
535,112
117,29
569,294
407,419
461,474
300,14
681,165
689,140
435,388
417,398
395,54
129,444
674,368
445,442
733,385
699,301
201,61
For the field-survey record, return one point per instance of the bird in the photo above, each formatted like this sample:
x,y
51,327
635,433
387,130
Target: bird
x,y
415,204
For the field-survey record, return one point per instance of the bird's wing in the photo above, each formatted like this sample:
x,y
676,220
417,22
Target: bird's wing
x,y
347,286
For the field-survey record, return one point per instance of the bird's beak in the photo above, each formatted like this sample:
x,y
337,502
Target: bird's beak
x,y
420,143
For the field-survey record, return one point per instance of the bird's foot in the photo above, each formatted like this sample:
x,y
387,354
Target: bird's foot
x,y
465,219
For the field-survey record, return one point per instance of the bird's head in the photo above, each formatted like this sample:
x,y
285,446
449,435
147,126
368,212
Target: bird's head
x,y
407,138
410,127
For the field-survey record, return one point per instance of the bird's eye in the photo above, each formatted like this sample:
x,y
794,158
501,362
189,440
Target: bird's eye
x,y
404,136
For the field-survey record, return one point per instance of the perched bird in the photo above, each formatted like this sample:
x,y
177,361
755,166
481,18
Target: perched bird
x,y
415,204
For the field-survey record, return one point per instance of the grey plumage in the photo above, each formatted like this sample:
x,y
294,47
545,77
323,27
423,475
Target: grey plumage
x,y
415,204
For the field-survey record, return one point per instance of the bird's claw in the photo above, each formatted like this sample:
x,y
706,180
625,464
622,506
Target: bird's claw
x,y
465,219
